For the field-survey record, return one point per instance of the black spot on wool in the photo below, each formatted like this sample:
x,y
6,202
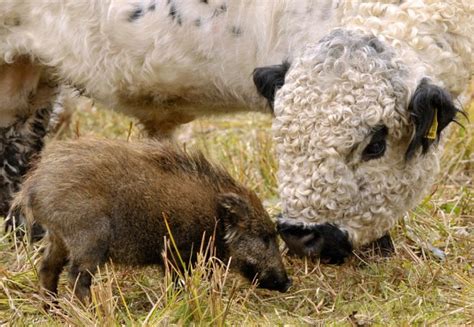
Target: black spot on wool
x,y
174,14
236,31
222,9
136,14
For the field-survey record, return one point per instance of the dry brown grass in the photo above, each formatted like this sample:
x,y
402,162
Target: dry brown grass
x,y
412,287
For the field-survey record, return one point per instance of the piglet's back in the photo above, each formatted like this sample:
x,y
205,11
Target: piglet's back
x,y
128,188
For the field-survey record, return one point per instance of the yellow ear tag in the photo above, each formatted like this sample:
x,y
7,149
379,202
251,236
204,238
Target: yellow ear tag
x,y
431,135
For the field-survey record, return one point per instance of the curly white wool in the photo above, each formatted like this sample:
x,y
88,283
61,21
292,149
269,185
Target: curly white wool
x,y
342,88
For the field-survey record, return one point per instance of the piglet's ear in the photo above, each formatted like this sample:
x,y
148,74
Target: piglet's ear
x,y
431,109
269,79
232,209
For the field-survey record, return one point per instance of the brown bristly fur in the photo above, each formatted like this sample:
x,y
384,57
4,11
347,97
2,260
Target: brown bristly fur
x,y
101,200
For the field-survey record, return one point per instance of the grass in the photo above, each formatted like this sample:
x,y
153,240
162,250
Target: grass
x,y
412,287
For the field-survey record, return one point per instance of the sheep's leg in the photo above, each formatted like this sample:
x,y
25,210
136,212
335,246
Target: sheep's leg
x,y
384,246
54,260
26,102
20,144
164,127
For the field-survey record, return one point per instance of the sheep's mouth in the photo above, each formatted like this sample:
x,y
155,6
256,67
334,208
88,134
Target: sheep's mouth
x,y
325,241
299,237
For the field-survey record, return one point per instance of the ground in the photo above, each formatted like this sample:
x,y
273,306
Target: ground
x,y
414,286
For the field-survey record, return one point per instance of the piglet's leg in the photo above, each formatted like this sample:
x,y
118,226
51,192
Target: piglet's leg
x,y
88,251
54,260
80,279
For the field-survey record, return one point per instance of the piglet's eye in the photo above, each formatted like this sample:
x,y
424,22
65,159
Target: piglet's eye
x,y
267,239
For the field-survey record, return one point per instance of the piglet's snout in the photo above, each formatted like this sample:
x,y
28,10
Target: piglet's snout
x,y
286,286
281,284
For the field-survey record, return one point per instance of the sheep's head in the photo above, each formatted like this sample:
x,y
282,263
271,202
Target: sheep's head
x,y
356,135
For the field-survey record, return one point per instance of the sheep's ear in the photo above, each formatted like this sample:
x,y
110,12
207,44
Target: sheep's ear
x,y
269,79
431,109
232,210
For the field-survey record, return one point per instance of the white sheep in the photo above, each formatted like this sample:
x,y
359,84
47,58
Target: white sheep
x,y
360,90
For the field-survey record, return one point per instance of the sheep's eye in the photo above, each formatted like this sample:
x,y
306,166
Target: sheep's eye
x,y
374,150
377,145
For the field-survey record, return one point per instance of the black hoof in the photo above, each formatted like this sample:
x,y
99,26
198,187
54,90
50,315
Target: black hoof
x,y
383,246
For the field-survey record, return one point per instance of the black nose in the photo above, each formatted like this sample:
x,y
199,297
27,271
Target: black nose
x,y
286,286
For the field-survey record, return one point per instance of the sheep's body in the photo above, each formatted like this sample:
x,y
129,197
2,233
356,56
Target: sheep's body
x,y
164,68
167,62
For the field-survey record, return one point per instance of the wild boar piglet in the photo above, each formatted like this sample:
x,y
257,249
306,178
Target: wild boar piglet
x,y
101,200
